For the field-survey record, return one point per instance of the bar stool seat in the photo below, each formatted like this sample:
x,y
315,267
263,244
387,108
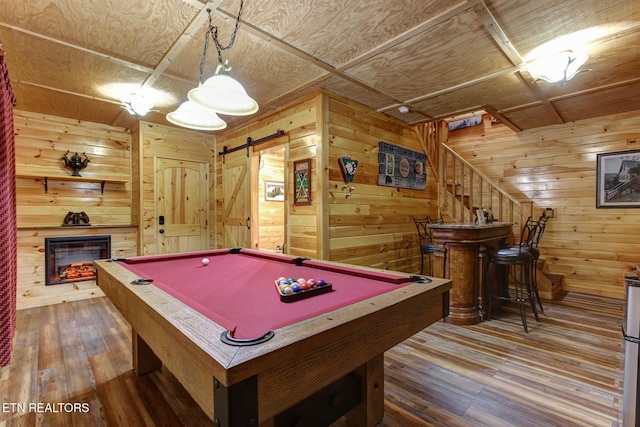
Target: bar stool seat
x,y
426,243
532,248
512,267
428,249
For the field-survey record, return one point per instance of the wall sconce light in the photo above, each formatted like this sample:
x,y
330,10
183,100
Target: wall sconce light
x,y
220,93
559,67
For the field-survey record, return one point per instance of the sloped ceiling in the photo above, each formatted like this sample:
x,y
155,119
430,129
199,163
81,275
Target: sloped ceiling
x,y
440,58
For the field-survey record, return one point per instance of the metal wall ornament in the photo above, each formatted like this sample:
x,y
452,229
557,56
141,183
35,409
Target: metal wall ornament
x,y
75,163
76,218
348,166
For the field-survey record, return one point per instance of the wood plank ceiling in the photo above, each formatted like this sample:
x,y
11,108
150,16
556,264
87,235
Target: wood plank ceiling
x,y
440,58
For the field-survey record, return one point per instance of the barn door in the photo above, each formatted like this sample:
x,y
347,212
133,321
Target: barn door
x,y
236,184
182,205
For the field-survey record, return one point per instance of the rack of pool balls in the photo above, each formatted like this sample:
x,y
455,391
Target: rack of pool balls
x,y
296,289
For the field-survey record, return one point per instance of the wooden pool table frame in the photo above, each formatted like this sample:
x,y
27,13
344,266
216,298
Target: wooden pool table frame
x,y
302,359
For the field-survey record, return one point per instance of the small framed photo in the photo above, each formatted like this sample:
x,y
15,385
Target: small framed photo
x,y
618,176
274,191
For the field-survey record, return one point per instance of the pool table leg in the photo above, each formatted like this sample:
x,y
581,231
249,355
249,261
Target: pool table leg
x,y
144,359
237,405
371,411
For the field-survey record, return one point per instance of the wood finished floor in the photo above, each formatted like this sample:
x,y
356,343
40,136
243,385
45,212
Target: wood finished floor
x,y
566,372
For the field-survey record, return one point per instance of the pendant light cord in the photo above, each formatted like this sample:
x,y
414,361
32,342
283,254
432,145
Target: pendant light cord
x,y
212,31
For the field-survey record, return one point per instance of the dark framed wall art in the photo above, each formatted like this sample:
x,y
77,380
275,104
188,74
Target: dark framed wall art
x,y
302,182
618,176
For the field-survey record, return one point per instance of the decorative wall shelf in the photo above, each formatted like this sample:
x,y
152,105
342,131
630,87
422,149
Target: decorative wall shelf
x,y
45,180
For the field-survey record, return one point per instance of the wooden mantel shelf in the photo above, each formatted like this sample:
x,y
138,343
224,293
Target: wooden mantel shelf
x,y
74,227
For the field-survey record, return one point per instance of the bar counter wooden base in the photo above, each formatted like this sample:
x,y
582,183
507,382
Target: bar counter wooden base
x,y
460,256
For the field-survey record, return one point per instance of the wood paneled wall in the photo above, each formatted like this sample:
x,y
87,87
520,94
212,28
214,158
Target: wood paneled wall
x,y
41,141
555,167
271,223
299,121
370,225
150,140
305,230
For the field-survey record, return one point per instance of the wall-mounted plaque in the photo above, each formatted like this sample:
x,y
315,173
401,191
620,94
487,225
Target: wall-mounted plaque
x,y
401,167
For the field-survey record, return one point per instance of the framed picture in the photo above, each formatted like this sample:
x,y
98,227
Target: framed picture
x,y
302,182
274,191
618,176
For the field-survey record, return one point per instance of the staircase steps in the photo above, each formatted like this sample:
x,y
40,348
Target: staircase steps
x,y
549,284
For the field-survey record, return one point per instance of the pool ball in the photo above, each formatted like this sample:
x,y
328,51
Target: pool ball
x,y
296,288
321,282
205,261
311,282
304,286
286,290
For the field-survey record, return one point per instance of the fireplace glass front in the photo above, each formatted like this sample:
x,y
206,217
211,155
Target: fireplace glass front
x,y
70,259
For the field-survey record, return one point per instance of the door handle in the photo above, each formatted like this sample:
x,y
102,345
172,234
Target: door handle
x,y
248,223
161,231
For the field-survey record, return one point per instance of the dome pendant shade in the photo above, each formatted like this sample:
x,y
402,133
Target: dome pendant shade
x,y
224,95
195,116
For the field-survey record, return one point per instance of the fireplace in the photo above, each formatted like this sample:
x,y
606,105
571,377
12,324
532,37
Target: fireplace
x,y
70,259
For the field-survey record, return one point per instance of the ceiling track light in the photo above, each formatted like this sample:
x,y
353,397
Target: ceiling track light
x,y
219,94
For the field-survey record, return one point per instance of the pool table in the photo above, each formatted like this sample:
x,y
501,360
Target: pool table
x,y
247,355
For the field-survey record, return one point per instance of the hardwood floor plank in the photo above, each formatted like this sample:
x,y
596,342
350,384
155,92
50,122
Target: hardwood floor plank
x,y
81,384
187,410
567,371
118,405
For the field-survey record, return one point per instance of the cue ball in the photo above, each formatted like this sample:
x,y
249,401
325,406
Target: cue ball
x,y
205,261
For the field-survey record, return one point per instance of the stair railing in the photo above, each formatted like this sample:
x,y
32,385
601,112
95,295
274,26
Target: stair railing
x,y
462,189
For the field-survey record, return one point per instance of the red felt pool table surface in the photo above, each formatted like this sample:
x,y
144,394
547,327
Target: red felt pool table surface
x,y
237,290
325,349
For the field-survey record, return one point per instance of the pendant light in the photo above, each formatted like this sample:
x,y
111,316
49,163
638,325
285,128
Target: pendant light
x,y
194,116
219,94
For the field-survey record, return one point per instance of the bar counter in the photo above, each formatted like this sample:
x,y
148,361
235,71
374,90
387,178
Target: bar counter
x,y
460,256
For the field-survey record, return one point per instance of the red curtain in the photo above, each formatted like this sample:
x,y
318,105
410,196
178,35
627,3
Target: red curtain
x,y
8,233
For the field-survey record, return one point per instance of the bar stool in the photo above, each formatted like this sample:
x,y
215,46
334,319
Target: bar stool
x,y
512,267
535,255
426,243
